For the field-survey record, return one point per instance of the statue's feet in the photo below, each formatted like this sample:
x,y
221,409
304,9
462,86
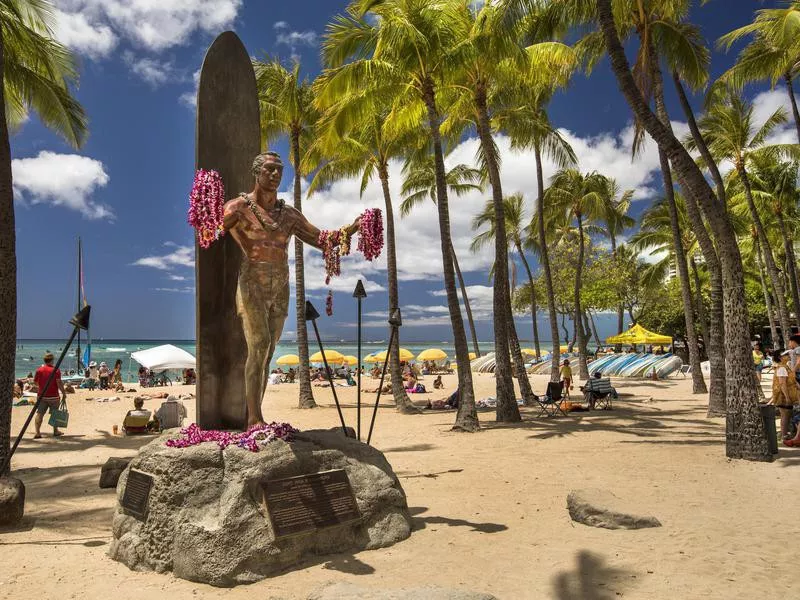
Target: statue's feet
x,y
255,422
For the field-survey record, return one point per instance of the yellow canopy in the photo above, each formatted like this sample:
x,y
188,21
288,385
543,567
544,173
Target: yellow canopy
x,y
288,360
639,335
529,351
371,359
432,354
350,360
404,355
334,357
472,356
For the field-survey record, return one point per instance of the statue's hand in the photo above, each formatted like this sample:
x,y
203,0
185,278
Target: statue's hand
x,y
356,226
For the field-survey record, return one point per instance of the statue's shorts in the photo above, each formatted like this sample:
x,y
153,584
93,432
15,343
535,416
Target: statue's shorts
x,y
262,299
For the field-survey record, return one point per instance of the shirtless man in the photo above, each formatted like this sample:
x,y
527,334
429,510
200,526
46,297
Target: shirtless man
x,y
262,226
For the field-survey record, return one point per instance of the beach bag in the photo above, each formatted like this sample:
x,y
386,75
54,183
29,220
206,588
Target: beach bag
x,y
59,417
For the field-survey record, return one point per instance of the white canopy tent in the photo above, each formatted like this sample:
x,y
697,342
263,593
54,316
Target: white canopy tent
x,y
164,357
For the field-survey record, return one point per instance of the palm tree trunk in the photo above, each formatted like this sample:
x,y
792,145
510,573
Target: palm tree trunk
x,y
594,327
465,298
306,395
545,260
773,329
745,436
791,264
8,276
580,337
467,416
702,316
698,382
566,332
700,141
401,399
620,308
793,101
769,259
507,410
520,372
534,309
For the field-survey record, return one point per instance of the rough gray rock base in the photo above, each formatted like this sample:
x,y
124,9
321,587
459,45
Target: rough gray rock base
x,y
348,591
12,500
111,471
206,518
600,508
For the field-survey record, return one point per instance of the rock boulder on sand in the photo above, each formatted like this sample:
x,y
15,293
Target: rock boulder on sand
x,y
601,508
207,521
111,471
12,500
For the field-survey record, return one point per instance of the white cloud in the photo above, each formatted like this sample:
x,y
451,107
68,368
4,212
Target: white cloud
x,y
94,40
286,37
152,71
150,24
765,104
183,290
67,180
181,256
189,99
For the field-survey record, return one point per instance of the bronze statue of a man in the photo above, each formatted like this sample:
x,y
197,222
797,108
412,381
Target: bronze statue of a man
x,y
262,225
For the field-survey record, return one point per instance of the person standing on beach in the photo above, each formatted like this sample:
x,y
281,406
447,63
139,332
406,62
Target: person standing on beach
x,y
50,396
794,355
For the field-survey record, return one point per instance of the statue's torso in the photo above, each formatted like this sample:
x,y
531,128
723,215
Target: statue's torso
x,y
262,244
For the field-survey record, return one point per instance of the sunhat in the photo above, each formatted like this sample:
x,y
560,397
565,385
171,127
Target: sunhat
x,y
93,364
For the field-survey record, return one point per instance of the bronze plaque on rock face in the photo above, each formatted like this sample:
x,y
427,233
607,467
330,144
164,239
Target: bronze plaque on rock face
x,y
310,502
137,493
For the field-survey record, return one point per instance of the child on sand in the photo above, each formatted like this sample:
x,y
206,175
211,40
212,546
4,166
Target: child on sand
x,y
566,376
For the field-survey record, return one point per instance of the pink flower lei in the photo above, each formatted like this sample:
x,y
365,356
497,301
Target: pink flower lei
x,y
337,243
252,439
206,202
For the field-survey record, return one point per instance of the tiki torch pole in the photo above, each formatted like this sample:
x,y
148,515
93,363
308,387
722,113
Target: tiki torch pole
x,y
312,315
360,293
79,321
395,321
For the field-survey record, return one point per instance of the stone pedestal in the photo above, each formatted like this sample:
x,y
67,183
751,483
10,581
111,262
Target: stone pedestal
x,y
206,519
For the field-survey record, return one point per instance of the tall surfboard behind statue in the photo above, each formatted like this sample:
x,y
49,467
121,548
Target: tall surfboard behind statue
x,y
228,139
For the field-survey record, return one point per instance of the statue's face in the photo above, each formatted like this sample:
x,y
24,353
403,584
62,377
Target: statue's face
x,y
270,175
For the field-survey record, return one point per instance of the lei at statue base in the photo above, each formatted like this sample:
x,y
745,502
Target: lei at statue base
x,y
234,498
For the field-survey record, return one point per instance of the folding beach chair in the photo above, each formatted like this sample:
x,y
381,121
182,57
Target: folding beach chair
x,y
599,393
134,425
550,404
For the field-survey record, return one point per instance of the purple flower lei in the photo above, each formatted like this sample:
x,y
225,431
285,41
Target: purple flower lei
x,y
206,202
252,439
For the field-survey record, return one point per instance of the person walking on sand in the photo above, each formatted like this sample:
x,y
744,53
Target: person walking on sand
x,y
566,376
50,396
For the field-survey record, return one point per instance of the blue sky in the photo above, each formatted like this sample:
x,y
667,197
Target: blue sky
x,y
125,192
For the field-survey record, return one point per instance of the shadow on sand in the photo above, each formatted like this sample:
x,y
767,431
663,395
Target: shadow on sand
x,y
591,579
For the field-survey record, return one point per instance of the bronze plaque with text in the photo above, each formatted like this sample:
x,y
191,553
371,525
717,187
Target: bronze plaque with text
x,y
137,493
310,502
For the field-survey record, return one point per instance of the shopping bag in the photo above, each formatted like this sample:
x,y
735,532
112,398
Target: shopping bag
x,y
59,417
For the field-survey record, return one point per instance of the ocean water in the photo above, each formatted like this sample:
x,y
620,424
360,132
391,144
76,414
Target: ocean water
x,y
30,352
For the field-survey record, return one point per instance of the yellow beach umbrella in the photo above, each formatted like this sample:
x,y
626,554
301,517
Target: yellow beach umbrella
x,y
472,356
350,360
334,357
404,355
432,354
288,360
371,359
529,351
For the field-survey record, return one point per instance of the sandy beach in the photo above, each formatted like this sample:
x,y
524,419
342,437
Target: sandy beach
x,y
489,508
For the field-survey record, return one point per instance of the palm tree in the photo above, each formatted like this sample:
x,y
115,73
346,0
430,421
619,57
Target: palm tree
x,y
514,210
362,150
744,429
36,73
773,54
401,48
613,215
731,135
419,184
529,127
287,108
579,196
657,234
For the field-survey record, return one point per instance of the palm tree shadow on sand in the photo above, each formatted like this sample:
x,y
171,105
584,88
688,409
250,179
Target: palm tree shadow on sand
x,y
591,579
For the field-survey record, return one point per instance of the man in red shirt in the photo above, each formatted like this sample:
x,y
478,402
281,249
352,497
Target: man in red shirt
x,y
50,397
